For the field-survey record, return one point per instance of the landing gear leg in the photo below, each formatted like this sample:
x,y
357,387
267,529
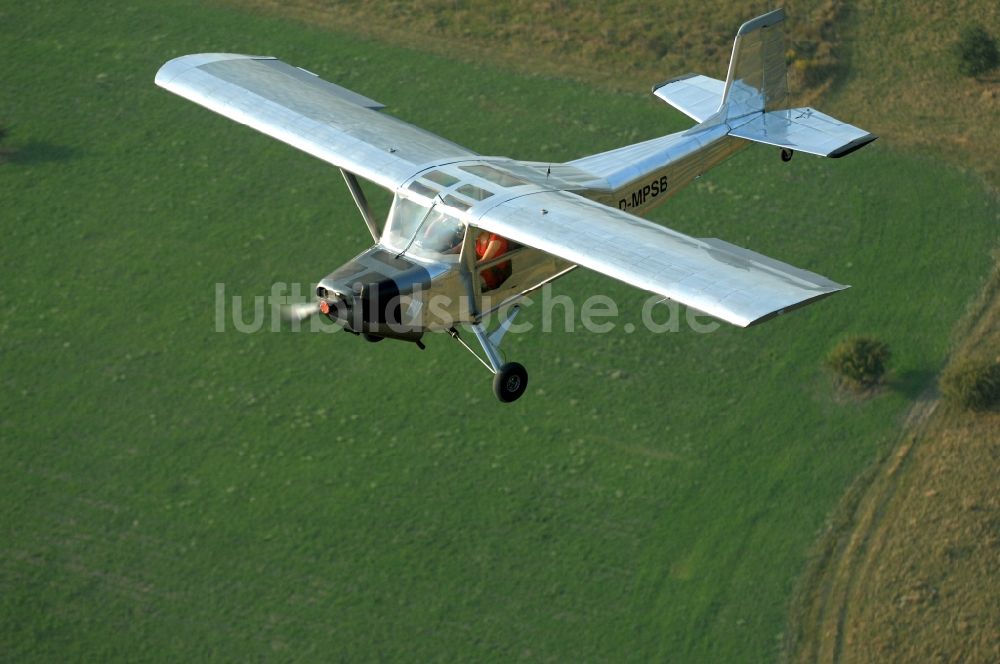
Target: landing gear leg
x,y
510,379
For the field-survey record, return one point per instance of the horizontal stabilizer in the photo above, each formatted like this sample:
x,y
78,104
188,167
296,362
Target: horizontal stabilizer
x,y
805,130
696,96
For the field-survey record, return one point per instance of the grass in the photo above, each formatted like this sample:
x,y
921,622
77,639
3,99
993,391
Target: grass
x,y
926,104
904,572
867,62
620,46
175,493
627,45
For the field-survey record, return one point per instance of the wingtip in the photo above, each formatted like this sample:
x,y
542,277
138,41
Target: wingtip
x,y
682,77
794,306
173,68
853,146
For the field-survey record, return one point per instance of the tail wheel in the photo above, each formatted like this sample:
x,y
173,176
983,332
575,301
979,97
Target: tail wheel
x,y
787,154
510,382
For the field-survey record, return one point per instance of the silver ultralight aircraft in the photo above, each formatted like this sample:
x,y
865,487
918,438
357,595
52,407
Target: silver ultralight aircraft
x,y
468,235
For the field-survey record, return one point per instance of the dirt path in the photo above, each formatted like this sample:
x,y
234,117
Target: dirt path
x,y
908,569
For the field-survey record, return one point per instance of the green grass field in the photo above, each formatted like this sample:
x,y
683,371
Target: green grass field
x,y
174,493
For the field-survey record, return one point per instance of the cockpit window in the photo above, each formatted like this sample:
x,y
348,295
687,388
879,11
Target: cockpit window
x,y
443,179
422,189
439,235
494,175
474,192
425,232
456,203
403,221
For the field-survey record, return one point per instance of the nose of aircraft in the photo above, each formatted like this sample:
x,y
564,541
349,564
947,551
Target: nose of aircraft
x,y
372,308
333,305
365,293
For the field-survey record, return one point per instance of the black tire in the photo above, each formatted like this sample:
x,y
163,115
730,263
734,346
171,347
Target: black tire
x,y
511,382
373,338
787,154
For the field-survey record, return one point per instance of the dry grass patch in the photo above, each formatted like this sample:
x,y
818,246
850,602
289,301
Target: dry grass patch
x,y
907,568
904,83
627,45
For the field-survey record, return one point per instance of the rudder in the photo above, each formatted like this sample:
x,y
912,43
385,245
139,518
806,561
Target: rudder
x,y
757,78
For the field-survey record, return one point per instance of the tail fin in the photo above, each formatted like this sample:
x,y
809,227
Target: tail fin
x,y
757,75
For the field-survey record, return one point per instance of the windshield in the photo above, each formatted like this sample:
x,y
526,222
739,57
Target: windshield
x,y
426,232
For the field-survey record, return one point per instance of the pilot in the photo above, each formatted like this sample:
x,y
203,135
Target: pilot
x,y
490,246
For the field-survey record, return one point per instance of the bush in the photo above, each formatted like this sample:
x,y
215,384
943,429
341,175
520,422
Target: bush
x,y
972,384
977,52
860,361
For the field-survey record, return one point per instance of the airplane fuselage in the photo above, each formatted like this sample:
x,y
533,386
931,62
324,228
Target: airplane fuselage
x,y
394,290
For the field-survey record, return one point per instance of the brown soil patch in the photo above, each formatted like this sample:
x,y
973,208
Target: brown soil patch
x,y
909,568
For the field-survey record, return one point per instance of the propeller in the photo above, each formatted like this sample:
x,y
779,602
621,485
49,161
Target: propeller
x,y
300,311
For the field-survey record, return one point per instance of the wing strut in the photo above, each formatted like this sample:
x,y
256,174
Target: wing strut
x,y
359,199
490,341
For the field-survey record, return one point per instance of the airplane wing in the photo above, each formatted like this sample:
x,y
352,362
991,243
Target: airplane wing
x,y
733,284
295,106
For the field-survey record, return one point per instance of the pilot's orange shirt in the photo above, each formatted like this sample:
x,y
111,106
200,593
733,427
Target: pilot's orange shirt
x,y
484,241
488,247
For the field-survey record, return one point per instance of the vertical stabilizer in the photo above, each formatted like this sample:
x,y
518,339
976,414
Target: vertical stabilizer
x,y
757,71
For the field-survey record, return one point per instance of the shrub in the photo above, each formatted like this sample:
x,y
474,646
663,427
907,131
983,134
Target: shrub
x,y
860,361
977,52
972,384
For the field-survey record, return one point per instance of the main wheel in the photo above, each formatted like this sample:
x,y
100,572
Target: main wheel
x,y
510,382
787,154
373,338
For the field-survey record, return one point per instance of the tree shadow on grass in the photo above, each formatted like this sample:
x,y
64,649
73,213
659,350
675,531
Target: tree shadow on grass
x,y
912,383
36,152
